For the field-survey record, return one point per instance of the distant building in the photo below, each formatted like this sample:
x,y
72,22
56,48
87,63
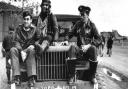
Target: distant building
x,y
106,34
115,35
9,15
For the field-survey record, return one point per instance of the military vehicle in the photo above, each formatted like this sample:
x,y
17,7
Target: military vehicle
x,y
53,65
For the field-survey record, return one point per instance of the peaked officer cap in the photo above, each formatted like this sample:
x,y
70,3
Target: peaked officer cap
x,y
85,9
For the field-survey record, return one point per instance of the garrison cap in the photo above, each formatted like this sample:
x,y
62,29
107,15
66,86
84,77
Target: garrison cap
x,y
85,9
26,13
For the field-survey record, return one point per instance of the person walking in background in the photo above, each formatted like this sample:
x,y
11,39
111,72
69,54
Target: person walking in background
x,y
109,46
7,44
101,46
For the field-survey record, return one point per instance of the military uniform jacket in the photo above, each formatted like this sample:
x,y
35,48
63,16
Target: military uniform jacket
x,y
48,28
86,33
23,38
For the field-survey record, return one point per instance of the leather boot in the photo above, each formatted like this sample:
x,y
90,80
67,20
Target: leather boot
x,y
93,68
8,75
31,81
17,80
71,70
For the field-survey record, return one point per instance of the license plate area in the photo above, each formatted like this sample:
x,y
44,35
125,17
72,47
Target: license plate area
x,y
54,85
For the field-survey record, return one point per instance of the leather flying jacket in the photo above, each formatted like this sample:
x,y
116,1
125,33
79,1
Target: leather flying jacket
x,y
48,27
86,33
23,38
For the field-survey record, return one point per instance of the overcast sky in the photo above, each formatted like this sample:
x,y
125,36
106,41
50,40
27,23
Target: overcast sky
x,y
106,14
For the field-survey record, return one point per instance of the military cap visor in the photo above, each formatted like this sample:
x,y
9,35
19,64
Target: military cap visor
x,y
85,9
46,2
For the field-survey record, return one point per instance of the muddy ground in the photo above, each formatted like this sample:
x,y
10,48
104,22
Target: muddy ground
x,y
105,80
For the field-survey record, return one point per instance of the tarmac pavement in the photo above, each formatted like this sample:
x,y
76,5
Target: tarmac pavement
x,y
118,61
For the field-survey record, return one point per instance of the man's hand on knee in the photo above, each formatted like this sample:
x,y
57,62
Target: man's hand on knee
x,y
31,47
86,47
23,55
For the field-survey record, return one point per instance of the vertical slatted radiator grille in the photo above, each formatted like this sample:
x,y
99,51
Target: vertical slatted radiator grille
x,y
52,64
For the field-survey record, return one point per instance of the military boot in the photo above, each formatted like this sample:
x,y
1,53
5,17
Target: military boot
x,y
93,68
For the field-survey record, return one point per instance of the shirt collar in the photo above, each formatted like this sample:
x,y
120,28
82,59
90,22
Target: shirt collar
x,y
28,28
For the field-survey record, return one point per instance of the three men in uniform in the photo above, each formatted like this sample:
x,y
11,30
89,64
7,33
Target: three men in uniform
x,y
28,38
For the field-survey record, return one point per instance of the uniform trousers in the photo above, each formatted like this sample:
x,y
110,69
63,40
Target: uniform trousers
x,y
30,61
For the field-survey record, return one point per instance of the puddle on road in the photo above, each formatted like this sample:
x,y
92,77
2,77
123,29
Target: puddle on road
x,y
111,74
